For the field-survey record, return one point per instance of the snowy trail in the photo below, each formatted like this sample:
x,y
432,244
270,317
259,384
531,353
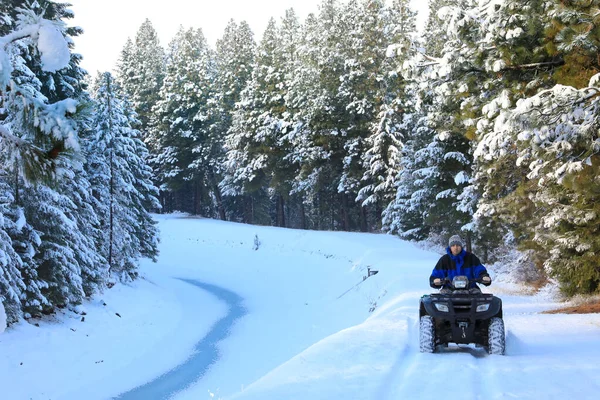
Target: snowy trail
x,y
205,352
548,357
533,368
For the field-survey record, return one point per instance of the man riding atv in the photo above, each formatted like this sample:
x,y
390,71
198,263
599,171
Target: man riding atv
x,y
460,313
457,261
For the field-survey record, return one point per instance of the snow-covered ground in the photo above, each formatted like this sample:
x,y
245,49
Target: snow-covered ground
x,y
293,319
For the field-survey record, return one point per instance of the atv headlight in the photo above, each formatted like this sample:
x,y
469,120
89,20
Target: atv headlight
x,y
460,282
441,307
483,307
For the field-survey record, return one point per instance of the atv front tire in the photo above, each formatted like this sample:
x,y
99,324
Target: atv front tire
x,y
427,334
496,339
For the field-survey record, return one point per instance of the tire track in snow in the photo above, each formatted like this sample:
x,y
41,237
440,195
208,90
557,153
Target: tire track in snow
x,y
205,352
493,371
402,366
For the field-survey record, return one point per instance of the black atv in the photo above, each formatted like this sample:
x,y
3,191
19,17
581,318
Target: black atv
x,y
461,316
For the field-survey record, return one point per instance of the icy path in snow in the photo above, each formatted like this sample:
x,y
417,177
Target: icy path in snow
x,y
205,352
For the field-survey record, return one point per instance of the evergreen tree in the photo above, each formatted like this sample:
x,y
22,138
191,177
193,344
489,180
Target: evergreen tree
x,y
141,72
130,232
548,140
405,215
234,60
34,131
303,151
12,287
182,121
381,160
25,242
257,140
41,93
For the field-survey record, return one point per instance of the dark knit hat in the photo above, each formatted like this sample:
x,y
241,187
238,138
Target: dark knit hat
x,y
455,240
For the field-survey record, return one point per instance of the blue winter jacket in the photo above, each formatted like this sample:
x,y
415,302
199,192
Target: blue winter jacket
x,y
464,263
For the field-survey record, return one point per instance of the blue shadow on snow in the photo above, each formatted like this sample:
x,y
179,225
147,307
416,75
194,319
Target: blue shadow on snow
x,y
205,352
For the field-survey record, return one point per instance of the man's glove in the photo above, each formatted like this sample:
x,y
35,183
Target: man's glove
x,y
486,280
437,282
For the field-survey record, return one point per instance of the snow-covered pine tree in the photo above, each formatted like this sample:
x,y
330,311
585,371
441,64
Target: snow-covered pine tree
x,y
434,36
287,59
393,122
12,287
181,124
364,51
301,102
320,134
130,232
555,133
141,71
405,215
39,82
26,241
253,130
438,154
551,138
67,259
516,59
257,140
33,54
234,61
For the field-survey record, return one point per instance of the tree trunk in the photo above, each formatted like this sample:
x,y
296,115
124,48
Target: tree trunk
x,y
163,202
332,208
280,211
378,214
220,206
345,213
363,219
302,213
320,213
17,200
468,242
195,206
218,196
249,201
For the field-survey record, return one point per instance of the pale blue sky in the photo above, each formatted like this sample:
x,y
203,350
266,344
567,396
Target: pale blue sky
x,y
109,23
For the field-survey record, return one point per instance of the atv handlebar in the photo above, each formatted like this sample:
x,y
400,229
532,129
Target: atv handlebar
x,y
445,281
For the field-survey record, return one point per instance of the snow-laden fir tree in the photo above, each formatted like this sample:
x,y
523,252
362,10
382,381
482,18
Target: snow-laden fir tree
x,y
39,79
33,131
549,138
66,260
555,133
393,122
121,181
405,215
181,124
436,158
26,241
12,287
512,59
321,121
434,35
141,71
234,60
257,145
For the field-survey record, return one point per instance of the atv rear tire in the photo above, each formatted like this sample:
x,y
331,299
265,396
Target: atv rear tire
x,y
496,339
427,334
